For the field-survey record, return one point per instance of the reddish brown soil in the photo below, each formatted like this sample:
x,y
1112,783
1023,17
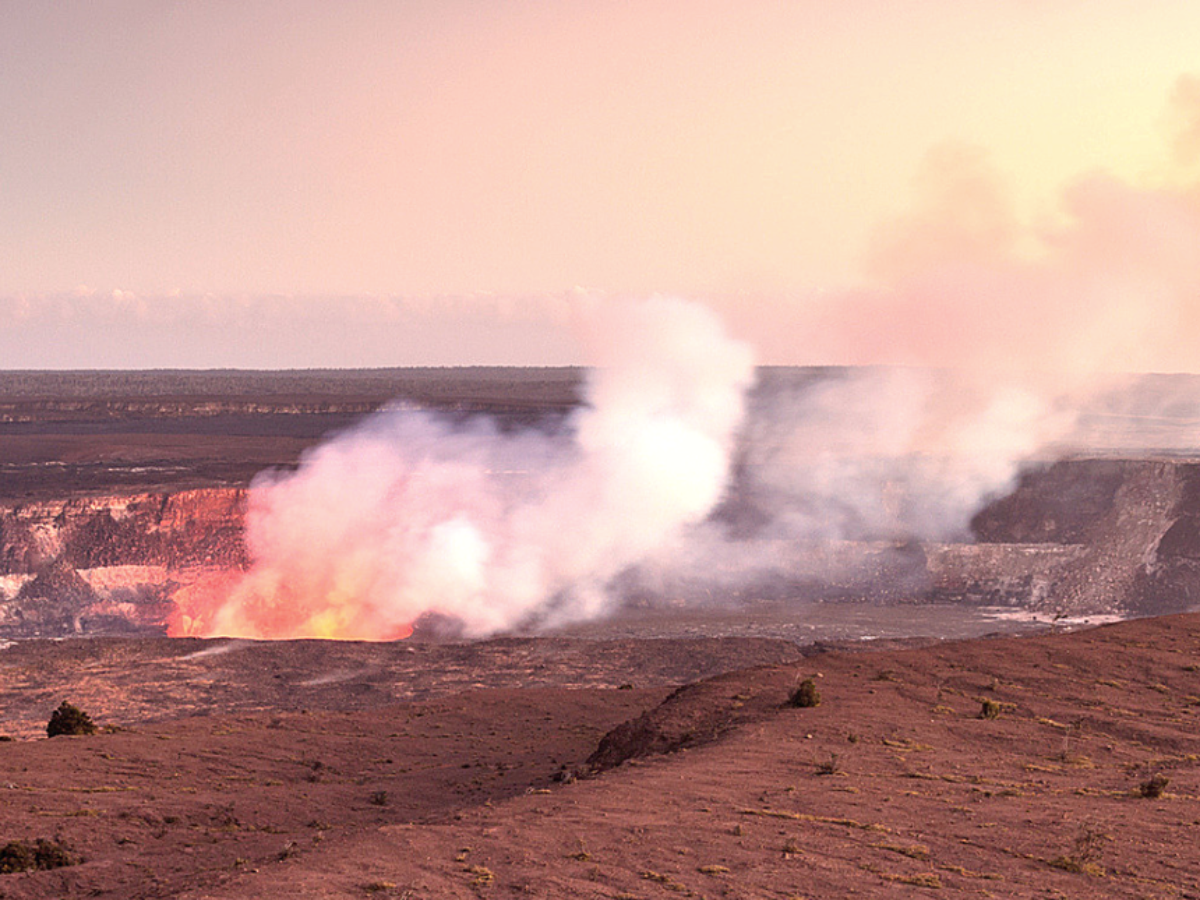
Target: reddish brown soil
x,y
893,786
314,769
128,681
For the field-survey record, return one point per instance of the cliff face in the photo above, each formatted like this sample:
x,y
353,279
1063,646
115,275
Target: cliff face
x,y
1078,537
1134,526
105,564
188,528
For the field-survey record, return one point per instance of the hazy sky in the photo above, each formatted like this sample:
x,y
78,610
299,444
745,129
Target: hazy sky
x,y
269,183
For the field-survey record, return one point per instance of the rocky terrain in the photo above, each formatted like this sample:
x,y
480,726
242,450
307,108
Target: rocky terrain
x,y
1055,765
110,564
1060,765
1133,523
120,491
1078,537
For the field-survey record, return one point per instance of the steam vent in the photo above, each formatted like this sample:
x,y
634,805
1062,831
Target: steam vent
x,y
126,500
1079,537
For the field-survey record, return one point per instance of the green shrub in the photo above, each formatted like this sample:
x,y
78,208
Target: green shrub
x,y
1154,786
805,694
830,766
19,856
68,719
990,709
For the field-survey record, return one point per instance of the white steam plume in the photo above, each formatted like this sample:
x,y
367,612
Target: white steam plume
x,y
410,514
890,454
1037,321
842,472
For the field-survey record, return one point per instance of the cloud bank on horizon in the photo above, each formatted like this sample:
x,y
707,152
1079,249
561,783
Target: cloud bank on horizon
x,y
274,185
1110,282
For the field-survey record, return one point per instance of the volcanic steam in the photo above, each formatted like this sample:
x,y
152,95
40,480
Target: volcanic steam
x,y
413,515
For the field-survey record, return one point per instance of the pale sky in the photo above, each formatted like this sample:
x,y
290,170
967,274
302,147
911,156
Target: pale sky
x,y
268,183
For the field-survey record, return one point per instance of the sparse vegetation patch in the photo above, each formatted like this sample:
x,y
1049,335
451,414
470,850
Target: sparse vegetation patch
x,y
805,695
1154,786
20,856
480,875
989,709
1085,854
830,766
921,879
69,719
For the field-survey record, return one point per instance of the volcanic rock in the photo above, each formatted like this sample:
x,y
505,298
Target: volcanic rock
x,y
892,786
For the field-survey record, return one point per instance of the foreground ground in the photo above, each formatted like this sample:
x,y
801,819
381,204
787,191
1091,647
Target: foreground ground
x,y
893,786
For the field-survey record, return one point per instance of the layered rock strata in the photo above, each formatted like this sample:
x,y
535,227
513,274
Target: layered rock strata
x,y
110,564
1078,537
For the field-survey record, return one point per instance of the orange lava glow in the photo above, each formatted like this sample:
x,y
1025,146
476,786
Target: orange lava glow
x,y
235,604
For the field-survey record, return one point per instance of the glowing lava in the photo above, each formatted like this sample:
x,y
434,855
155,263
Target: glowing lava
x,y
202,609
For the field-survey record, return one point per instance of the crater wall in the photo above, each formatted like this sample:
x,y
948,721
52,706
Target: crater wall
x,y
111,563
1078,537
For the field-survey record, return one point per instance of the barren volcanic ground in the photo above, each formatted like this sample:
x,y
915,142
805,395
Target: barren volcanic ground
x,y
122,498
602,765
893,786
65,434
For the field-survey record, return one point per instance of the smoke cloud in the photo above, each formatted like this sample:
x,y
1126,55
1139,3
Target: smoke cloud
x,y
1004,343
1108,285
1103,277
842,475
890,454
413,515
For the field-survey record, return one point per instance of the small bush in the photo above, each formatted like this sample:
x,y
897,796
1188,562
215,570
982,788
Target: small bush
x,y
1154,786
805,694
19,856
830,766
482,875
68,719
990,709
1085,854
